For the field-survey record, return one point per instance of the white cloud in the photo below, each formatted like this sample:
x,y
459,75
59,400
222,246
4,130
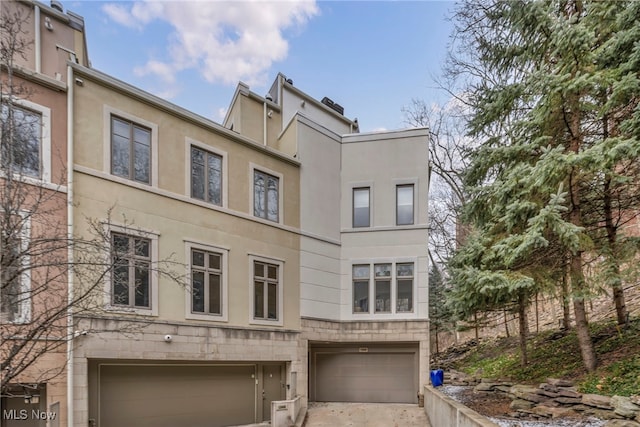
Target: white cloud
x,y
226,41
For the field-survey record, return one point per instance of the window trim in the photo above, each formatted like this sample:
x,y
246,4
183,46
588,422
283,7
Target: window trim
x,y
189,142
24,315
393,278
353,206
190,245
416,199
252,169
45,139
413,203
280,264
153,238
108,113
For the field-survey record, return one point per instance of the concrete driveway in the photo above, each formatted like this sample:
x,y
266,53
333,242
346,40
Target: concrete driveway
x,y
365,415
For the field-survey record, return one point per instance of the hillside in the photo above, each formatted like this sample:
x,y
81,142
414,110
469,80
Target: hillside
x,y
555,354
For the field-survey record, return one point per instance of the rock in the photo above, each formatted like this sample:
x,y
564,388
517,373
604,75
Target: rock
x,y
568,400
485,386
597,401
549,387
559,383
565,392
550,412
519,390
621,423
548,393
635,399
503,388
534,397
623,406
519,404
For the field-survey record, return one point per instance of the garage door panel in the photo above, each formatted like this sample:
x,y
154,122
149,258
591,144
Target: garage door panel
x,y
365,377
161,396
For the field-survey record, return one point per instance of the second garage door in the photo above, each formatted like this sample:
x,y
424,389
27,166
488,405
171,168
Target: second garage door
x,y
364,374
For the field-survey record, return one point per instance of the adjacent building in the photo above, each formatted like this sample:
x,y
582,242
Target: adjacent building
x,y
279,256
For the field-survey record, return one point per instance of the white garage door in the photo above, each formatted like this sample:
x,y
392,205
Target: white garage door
x,y
388,376
169,396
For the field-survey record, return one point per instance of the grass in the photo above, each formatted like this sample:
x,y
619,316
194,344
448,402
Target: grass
x,y
556,355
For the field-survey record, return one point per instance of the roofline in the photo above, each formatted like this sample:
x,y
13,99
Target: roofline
x,y
387,134
174,109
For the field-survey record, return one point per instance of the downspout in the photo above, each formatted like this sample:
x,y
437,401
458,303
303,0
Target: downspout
x,y
70,255
38,46
264,124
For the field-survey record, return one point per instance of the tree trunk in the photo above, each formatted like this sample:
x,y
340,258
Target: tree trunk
x,y
524,327
506,322
582,325
612,265
566,311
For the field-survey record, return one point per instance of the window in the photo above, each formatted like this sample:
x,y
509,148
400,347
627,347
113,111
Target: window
x,y
15,298
404,204
21,149
206,282
392,287
265,290
360,288
131,279
130,150
404,287
206,176
266,189
383,288
361,217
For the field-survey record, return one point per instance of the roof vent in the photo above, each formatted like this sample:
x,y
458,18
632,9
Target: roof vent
x,y
55,4
334,106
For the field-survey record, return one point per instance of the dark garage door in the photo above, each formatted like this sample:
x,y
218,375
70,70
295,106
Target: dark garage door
x,y
169,396
353,375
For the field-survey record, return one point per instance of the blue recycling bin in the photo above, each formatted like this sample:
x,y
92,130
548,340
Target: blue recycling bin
x,y
437,377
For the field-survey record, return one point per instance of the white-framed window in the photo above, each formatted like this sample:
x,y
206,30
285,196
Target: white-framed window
x,y
391,283
361,207
133,276
207,173
266,197
207,295
25,149
15,274
404,287
266,290
405,196
360,274
130,147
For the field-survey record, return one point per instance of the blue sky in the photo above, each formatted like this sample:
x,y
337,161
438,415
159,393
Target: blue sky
x,y
371,57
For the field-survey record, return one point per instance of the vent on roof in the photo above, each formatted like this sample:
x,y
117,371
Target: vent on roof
x,y
333,105
55,4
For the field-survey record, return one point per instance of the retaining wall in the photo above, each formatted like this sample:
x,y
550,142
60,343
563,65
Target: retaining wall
x,y
443,411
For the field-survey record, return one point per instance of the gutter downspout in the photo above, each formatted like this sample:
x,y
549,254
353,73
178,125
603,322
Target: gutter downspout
x,y
264,123
38,46
70,255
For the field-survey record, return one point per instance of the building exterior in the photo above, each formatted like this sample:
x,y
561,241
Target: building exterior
x,y
279,256
33,209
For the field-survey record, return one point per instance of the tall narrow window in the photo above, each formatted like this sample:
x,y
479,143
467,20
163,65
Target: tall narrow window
x,y
361,216
131,282
206,282
265,290
21,149
383,287
360,275
404,204
206,176
130,150
266,189
12,291
404,287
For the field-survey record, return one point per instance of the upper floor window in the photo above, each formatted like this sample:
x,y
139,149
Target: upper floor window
x,y
404,204
206,176
383,287
21,147
130,150
266,290
404,287
361,207
266,196
206,282
360,275
131,278
393,287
